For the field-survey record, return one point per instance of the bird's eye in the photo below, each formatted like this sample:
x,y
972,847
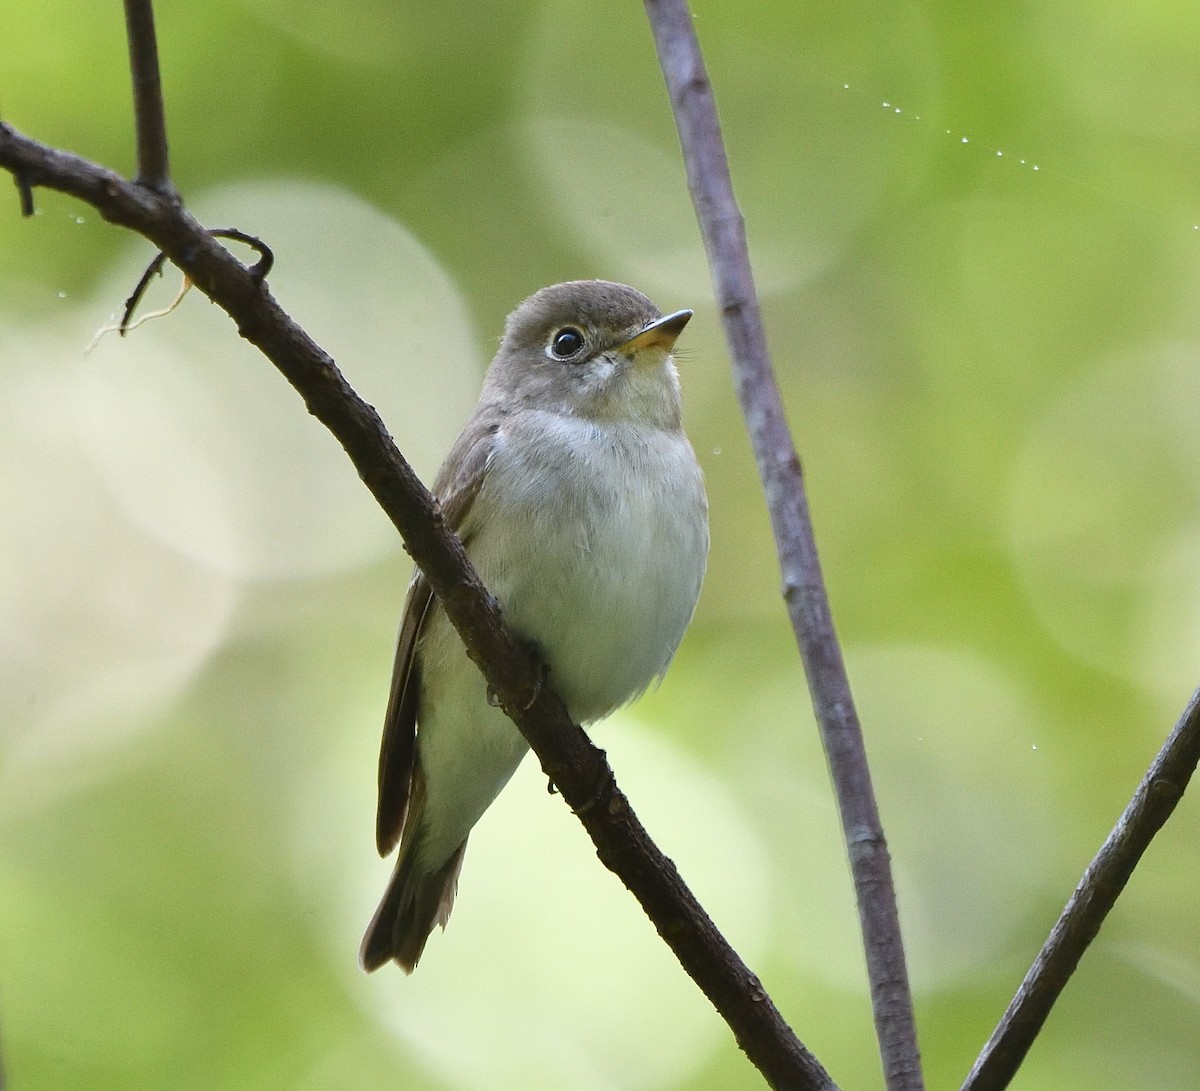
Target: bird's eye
x,y
566,342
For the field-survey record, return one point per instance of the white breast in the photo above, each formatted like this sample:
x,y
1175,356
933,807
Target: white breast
x,y
594,538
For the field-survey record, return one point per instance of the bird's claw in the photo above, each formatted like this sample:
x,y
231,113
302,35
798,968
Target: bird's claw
x,y
494,700
606,782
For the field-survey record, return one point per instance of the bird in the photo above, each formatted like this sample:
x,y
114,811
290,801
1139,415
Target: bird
x,y
581,505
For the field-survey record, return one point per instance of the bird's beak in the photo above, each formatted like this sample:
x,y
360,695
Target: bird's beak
x,y
661,333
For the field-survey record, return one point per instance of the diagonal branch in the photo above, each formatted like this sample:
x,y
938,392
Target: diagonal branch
x,y
803,586
567,756
149,117
1156,797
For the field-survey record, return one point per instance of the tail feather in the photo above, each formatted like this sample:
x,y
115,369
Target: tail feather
x,y
413,904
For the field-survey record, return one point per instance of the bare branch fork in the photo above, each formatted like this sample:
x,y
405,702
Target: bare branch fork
x,y
567,756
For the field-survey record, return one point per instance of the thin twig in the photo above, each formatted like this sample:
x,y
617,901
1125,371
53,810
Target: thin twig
x,y
258,270
154,269
154,170
24,192
567,756
1156,797
724,234
266,256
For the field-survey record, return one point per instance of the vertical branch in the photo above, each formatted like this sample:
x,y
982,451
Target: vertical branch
x,y
1156,797
804,590
154,170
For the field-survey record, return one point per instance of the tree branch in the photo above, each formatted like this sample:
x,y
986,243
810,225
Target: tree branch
x,y
721,224
1156,797
567,756
150,120
808,605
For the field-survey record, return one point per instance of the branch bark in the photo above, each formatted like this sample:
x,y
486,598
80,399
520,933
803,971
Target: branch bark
x,y
721,224
1156,797
149,116
566,754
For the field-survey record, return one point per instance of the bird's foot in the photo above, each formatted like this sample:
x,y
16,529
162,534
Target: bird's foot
x,y
543,671
602,790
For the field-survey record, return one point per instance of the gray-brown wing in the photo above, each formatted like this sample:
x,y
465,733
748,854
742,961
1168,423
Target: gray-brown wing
x,y
456,486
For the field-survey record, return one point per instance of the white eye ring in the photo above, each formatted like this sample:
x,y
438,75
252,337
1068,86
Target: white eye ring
x,y
565,343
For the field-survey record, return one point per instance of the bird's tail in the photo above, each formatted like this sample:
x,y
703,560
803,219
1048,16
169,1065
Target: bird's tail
x,y
415,901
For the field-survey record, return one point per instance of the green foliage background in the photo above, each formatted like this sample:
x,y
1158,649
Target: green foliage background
x,y
976,238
